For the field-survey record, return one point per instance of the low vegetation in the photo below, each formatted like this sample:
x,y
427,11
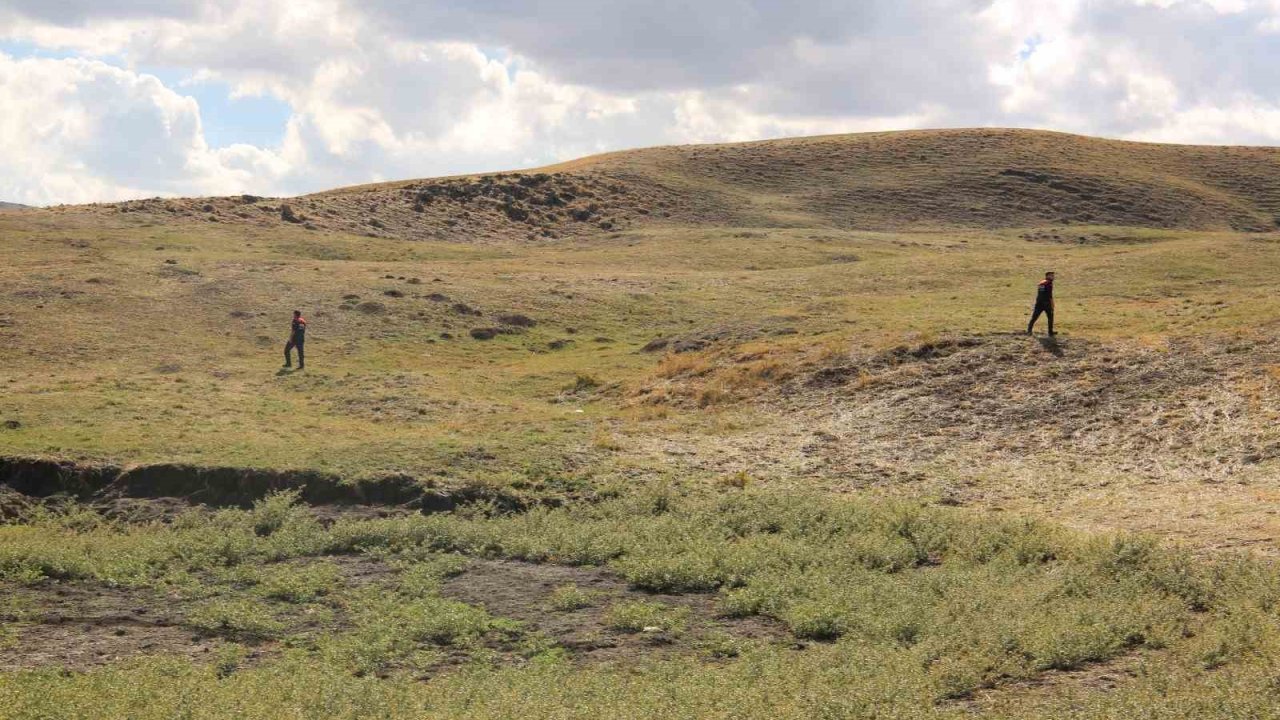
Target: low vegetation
x,y
744,432
898,608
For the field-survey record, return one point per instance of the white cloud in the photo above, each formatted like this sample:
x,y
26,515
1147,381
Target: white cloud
x,y
78,130
381,89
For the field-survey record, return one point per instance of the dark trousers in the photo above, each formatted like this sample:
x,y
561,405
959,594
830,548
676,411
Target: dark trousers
x,y
1035,315
288,359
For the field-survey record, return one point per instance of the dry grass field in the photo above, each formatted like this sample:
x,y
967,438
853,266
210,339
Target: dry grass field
x,y
629,435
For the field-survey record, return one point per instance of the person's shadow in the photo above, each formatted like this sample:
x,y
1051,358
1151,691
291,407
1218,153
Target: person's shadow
x,y
285,371
1050,344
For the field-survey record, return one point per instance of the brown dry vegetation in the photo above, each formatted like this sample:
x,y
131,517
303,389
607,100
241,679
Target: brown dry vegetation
x,y
883,181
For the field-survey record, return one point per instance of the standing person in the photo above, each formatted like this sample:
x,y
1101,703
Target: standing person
x,y
297,338
1044,303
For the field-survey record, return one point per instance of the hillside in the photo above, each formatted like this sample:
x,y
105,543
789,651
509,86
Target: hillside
x,y
12,206
917,180
743,431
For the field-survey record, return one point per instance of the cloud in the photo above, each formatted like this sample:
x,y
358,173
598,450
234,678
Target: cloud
x,y
382,89
78,130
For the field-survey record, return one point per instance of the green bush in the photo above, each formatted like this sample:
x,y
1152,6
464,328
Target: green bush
x,y
640,616
241,618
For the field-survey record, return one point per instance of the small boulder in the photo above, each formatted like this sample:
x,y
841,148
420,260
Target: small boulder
x,y
656,344
484,333
517,320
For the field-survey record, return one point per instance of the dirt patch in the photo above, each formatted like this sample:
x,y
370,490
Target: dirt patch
x,y
80,625
523,591
1203,404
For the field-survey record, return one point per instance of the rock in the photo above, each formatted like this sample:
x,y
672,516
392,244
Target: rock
x,y
437,297
414,281
517,320
287,214
371,308
484,333
656,344
393,293
464,309
446,336
12,425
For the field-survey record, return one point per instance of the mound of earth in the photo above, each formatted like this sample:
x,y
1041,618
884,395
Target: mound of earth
x,y
1204,406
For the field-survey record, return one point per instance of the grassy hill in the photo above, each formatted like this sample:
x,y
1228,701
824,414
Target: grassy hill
x,y
639,394
915,180
12,206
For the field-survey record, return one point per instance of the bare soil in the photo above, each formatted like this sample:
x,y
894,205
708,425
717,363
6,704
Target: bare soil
x,y
522,591
78,625
81,625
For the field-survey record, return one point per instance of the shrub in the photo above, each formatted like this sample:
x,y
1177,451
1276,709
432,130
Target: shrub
x,y
571,597
641,616
241,618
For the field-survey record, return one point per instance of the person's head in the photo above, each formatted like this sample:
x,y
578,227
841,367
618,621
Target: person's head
x,y
1048,275
298,313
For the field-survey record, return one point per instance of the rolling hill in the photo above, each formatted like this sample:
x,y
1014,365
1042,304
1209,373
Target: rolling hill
x,y
915,180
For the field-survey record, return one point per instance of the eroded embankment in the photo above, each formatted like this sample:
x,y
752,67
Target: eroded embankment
x,y
234,486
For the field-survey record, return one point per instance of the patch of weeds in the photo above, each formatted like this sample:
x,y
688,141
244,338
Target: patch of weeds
x,y
242,618
720,645
299,583
227,659
645,616
567,598
421,577
272,512
390,631
582,384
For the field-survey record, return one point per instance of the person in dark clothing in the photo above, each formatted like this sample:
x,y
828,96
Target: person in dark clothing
x,y
297,338
1044,303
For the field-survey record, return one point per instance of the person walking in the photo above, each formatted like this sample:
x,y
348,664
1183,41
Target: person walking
x,y
1044,303
297,339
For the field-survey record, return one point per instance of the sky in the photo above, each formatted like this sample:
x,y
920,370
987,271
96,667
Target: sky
x,y
104,100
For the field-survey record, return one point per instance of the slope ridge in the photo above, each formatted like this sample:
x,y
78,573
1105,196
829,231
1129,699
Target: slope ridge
x,y
910,180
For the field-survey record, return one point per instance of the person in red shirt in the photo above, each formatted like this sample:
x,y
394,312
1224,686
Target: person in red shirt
x,y
1044,303
297,339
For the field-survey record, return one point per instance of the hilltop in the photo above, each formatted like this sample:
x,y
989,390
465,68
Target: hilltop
x,y
12,206
915,180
